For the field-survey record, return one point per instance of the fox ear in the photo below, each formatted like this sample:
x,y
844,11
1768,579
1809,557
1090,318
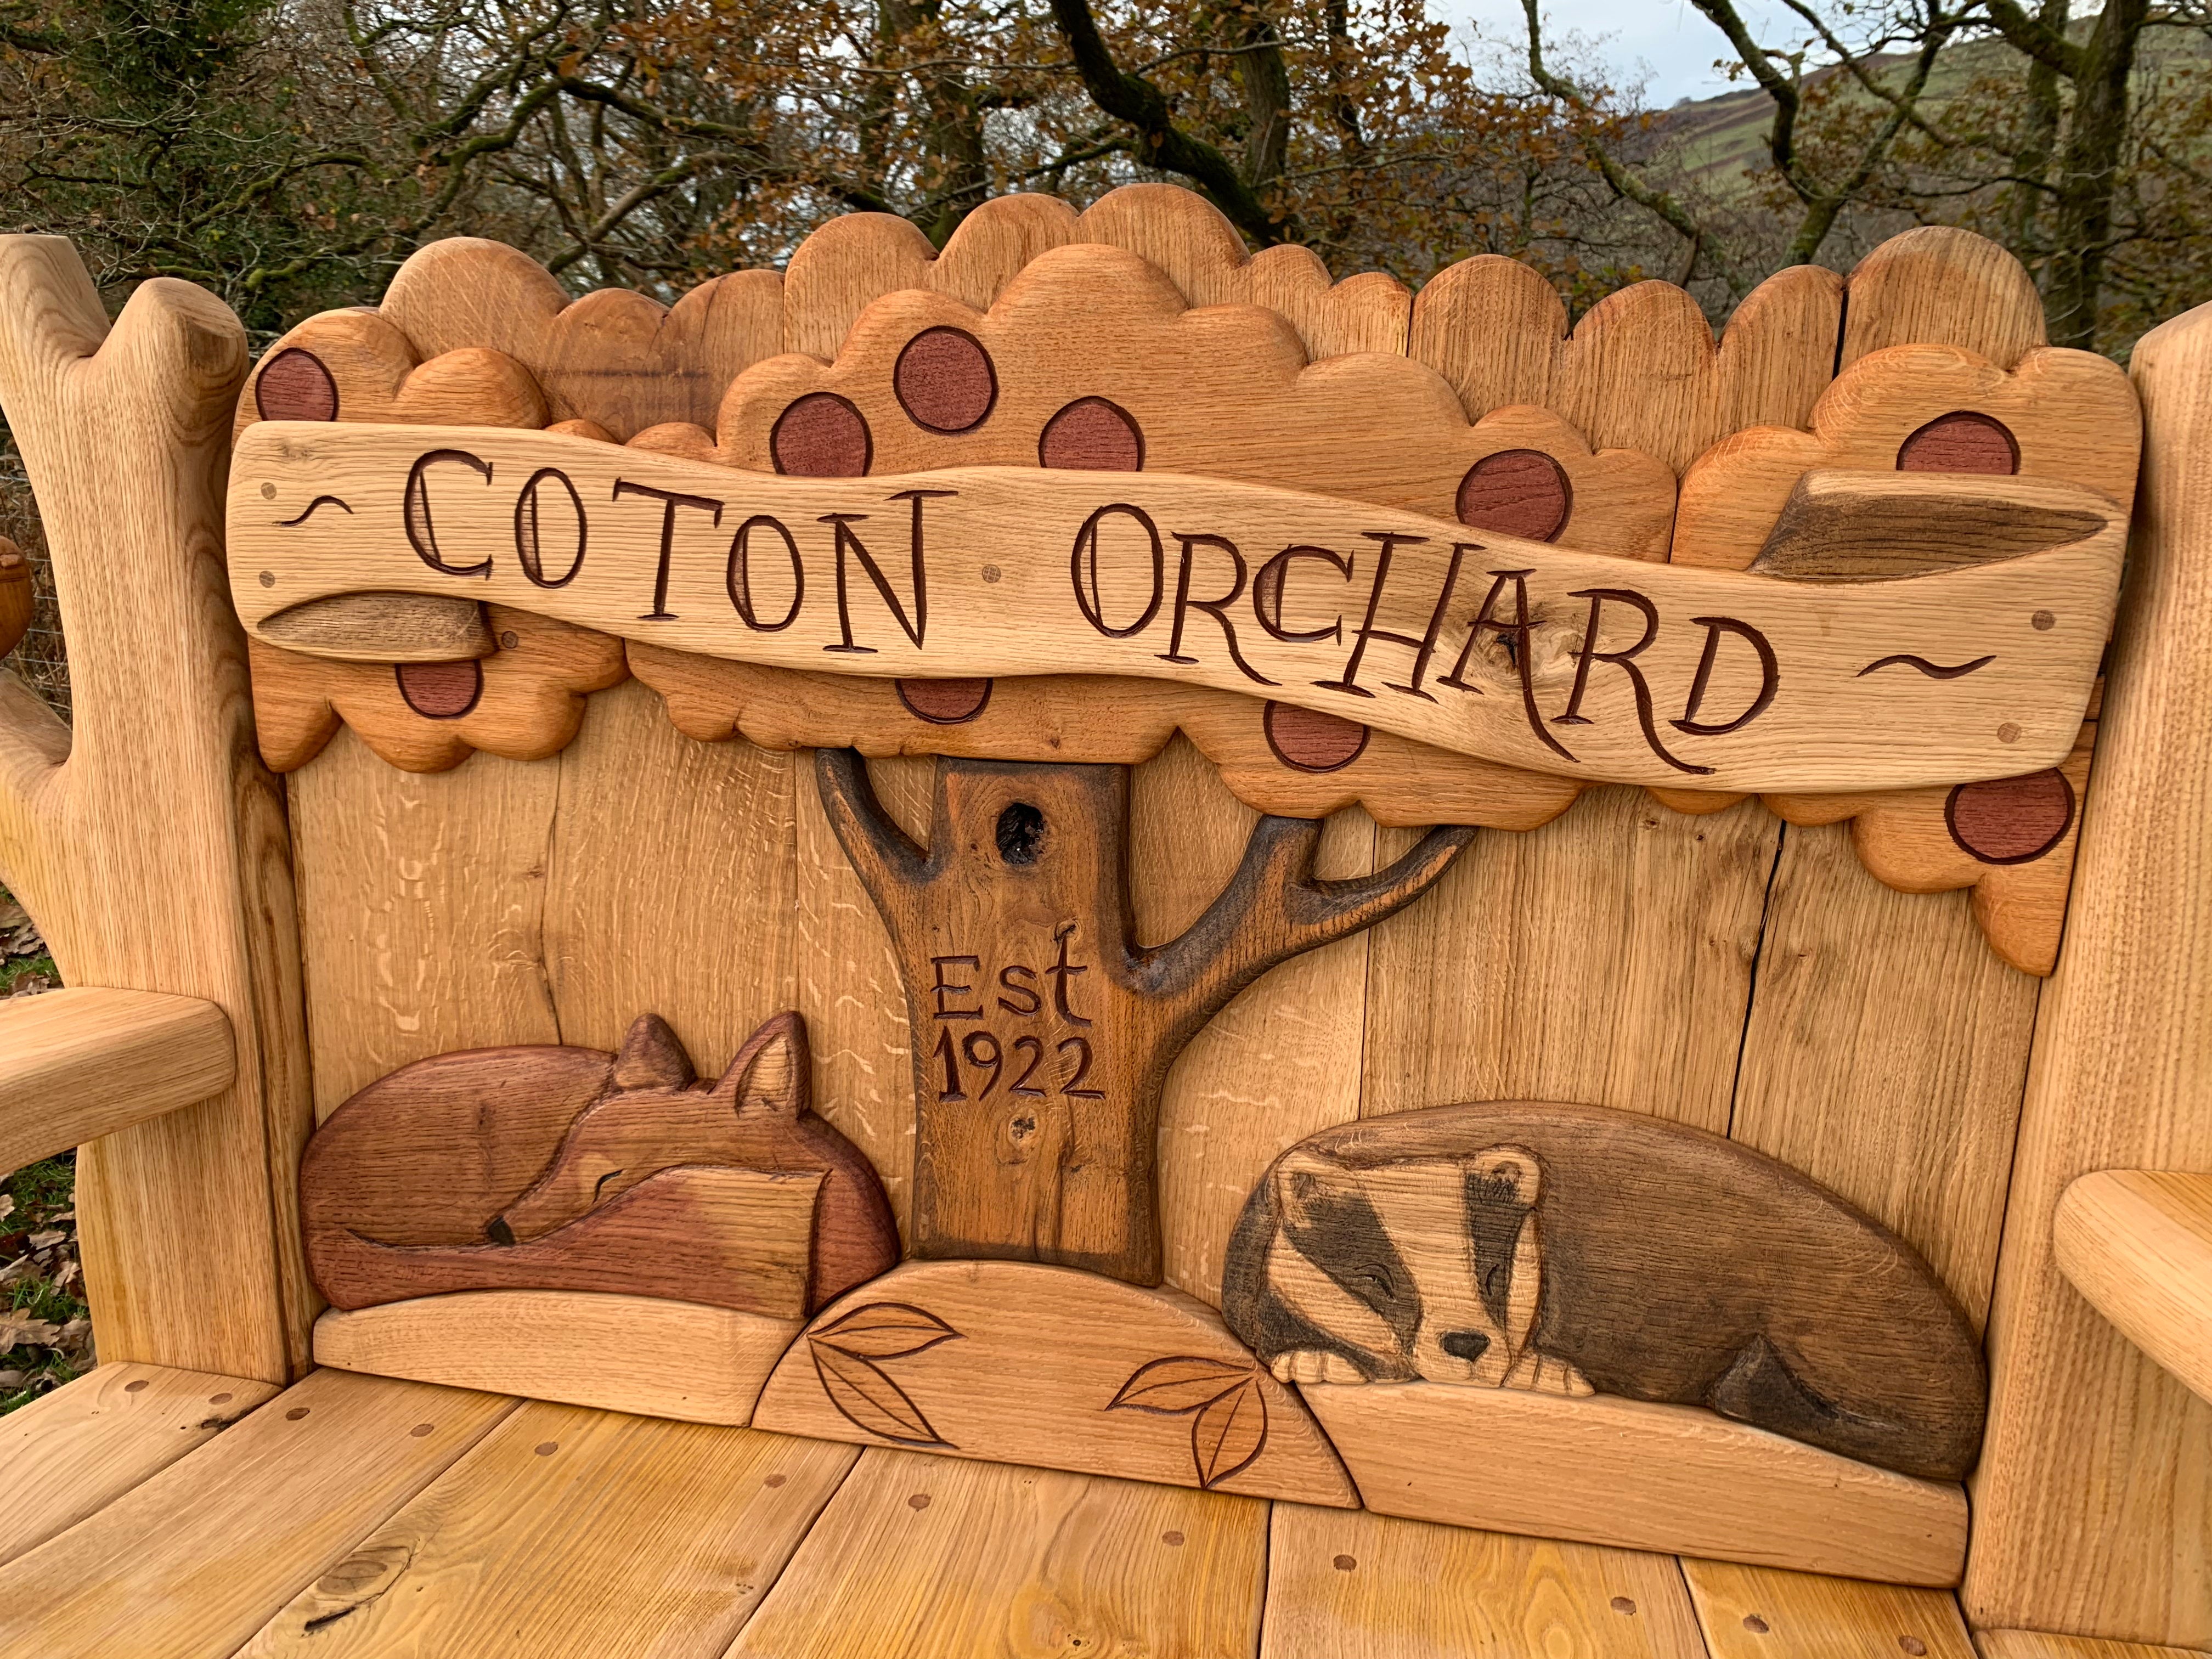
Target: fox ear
x,y
770,1071
651,1057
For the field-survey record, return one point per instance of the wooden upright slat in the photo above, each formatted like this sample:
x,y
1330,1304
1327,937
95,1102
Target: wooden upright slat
x,y
69,1453
930,1558
2040,1645
2093,1508
191,1564
1757,1612
570,1534
77,1065
1345,1585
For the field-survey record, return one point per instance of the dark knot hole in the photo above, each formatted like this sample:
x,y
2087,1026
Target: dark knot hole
x,y
1021,830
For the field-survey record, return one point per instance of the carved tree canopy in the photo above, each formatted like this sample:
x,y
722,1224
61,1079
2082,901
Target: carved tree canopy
x,y
1043,1030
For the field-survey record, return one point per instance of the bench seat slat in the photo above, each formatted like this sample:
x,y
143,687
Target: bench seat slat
x,y
1757,1612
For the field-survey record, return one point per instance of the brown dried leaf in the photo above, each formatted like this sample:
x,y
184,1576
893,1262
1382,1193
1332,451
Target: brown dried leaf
x,y
885,1330
869,1400
1180,1384
1228,1433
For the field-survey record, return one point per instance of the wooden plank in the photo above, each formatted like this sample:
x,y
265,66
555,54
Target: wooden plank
x,y
568,1534
1345,1585
154,859
1605,1470
1935,284
1024,1363
75,1451
76,1065
192,1562
2092,1513
1885,1054
621,1353
2041,1644
1758,1613
2138,1244
1506,983
928,1558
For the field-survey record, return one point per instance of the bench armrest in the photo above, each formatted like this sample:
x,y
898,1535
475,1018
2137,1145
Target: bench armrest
x,y
2138,1244
77,1065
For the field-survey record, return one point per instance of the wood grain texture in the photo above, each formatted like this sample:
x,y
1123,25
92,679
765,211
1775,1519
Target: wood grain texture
x,y
1350,1585
72,1452
572,1168
1020,1363
146,839
1102,718
1935,284
1557,1249
614,357
678,1359
353,365
1756,1612
1024,975
568,1534
76,1065
1507,982
930,1558
2138,1244
1634,1475
2071,415
191,1563
2090,1513
2041,1644
410,628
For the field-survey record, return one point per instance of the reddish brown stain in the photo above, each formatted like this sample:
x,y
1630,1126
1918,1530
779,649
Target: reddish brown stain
x,y
946,703
296,1414
919,1501
547,1447
440,690
1310,740
775,1479
133,1388
1092,435
1344,1563
945,381
2011,820
1961,442
294,386
218,1398
821,435
422,1431
1517,492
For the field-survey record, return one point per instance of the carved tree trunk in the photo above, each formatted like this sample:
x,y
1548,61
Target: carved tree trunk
x,y
1042,1031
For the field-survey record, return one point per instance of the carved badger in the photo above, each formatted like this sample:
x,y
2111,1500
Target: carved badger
x,y
1572,1249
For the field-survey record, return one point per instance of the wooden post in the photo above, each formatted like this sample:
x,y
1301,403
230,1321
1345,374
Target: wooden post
x,y
149,842
1042,1032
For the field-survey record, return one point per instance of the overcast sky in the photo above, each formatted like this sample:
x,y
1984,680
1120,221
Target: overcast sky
x,y
1669,38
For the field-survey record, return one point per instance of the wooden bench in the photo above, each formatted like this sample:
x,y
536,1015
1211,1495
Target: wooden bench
x,y
1084,945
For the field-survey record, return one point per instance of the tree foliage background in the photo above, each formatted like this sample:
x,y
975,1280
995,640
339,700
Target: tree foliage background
x,y
288,152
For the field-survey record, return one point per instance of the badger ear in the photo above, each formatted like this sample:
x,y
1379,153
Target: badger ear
x,y
1300,1175
1512,1175
652,1058
770,1071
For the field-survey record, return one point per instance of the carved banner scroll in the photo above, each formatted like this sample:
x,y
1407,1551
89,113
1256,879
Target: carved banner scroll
x,y
1573,663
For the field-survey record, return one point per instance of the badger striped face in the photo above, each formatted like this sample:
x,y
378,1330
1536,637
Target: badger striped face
x,y
1430,1268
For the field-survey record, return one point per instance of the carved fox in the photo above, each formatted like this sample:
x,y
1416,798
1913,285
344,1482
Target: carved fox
x,y
656,1114
573,1169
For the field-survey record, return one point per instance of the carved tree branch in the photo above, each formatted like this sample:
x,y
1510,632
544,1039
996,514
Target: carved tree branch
x,y
882,855
1274,908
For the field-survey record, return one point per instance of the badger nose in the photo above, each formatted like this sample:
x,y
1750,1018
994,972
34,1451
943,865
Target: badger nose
x,y
498,1232
1469,1345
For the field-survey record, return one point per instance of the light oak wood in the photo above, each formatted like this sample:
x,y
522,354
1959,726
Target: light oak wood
x,y
145,839
78,1064
1618,1472
2091,1513
71,1453
1345,1585
396,626
568,1534
1758,1613
354,364
930,1558
1846,684
1021,1363
1937,283
2041,1644
2138,1244
190,1564
621,1353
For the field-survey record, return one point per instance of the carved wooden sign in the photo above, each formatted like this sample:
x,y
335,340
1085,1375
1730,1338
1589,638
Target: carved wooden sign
x,y
1563,661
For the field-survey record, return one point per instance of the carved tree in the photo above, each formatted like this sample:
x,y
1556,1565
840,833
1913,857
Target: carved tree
x,y
1042,1030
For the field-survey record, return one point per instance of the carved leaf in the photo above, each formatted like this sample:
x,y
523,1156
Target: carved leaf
x,y
1182,1383
1228,1432
884,1330
869,1400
